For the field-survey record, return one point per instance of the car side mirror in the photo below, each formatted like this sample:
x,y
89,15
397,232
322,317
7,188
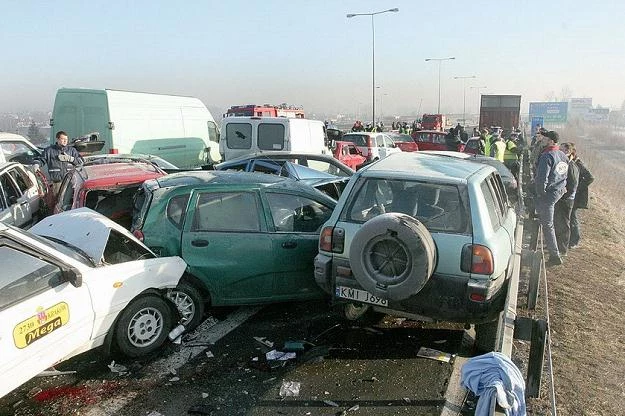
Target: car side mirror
x,y
73,276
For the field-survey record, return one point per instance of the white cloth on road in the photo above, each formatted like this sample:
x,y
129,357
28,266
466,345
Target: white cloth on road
x,y
494,376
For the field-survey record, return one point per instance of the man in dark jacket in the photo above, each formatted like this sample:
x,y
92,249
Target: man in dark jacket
x,y
60,159
564,207
550,180
581,198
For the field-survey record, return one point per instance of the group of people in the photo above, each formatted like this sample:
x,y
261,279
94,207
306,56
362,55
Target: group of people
x,y
562,182
377,127
506,150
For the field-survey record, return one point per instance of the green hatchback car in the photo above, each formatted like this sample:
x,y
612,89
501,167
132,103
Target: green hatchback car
x,y
247,238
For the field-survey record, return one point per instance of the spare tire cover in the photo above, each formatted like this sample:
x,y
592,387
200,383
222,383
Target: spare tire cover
x,y
392,256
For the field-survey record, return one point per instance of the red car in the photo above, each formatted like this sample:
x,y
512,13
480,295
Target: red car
x,y
349,154
106,188
404,141
433,140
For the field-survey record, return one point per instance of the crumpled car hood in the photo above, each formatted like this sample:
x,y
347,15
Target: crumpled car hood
x,y
83,228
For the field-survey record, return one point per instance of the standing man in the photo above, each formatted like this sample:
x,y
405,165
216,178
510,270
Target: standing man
x,y
551,174
498,148
564,207
60,159
581,197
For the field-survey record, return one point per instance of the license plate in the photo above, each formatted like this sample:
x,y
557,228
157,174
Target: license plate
x,y
359,295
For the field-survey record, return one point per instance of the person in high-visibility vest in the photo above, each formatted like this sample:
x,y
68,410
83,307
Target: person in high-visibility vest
x,y
486,138
498,148
511,156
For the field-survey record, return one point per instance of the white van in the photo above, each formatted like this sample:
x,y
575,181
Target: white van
x,y
245,135
179,129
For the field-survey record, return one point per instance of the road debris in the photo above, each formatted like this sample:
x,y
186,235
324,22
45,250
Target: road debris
x,y
275,355
53,372
331,403
289,389
264,341
434,354
118,368
209,354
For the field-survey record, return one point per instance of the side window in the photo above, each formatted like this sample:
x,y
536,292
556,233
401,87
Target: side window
x,y
491,205
438,138
270,136
226,211
379,140
66,193
388,142
292,213
21,179
121,248
213,133
239,135
501,189
24,275
177,209
9,186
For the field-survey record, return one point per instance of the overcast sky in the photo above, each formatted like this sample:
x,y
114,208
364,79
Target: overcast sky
x,y
308,53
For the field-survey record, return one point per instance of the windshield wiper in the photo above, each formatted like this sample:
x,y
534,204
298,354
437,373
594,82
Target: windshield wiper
x,y
73,247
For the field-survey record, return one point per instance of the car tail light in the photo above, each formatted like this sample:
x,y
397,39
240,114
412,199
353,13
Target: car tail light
x,y
477,297
477,259
138,234
332,239
114,151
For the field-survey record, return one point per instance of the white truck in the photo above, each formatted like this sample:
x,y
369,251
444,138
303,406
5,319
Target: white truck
x,y
177,128
249,135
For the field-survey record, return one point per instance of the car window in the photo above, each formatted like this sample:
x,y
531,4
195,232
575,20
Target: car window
x,y
423,137
293,213
388,142
438,138
226,211
21,179
24,275
502,196
491,205
357,139
379,140
213,133
121,248
177,209
9,186
239,135
438,206
269,166
17,152
326,167
66,193
270,136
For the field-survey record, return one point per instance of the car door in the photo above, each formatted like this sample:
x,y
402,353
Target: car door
x,y
296,221
18,204
226,245
44,317
27,184
390,146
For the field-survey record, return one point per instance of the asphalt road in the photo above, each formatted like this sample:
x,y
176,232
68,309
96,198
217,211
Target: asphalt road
x,y
363,368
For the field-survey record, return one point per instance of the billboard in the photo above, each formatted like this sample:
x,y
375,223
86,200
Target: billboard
x,y
598,115
551,112
537,122
580,106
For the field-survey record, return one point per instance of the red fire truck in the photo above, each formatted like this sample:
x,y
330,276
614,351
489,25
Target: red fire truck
x,y
265,110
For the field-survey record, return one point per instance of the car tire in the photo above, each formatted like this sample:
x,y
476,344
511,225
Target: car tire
x,y
190,304
143,326
392,256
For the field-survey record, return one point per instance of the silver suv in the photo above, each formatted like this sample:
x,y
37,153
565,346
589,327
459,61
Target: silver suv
x,y
422,236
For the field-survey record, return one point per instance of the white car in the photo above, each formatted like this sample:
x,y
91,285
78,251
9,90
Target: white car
x,y
20,195
16,148
374,146
75,282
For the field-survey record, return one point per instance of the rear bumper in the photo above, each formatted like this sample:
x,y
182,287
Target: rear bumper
x,y
444,297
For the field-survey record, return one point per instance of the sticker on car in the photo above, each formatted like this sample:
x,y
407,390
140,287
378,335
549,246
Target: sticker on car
x,y
359,295
41,324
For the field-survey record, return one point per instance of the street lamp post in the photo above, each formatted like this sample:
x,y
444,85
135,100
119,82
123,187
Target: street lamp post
x,y
349,16
440,60
464,97
478,95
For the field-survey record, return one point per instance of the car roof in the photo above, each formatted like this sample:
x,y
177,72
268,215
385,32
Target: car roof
x,y
421,165
6,165
12,136
118,173
431,131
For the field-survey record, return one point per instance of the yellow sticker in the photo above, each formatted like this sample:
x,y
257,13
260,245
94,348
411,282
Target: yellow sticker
x,y
41,324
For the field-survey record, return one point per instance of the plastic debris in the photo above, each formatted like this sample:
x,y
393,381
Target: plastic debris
x,y
53,372
434,354
176,332
209,354
440,341
293,346
353,408
289,389
117,368
264,341
174,379
204,395
34,391
331,403
407,400
279,355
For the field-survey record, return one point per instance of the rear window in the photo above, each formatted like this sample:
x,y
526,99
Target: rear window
x,y
116,204
439,207
239,135
140,203
177,209
357,139
270,136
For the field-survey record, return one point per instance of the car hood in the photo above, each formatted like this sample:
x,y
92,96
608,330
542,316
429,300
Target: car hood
x,y
82,228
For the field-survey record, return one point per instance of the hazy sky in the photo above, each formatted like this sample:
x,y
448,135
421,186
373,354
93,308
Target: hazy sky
x,y
308,53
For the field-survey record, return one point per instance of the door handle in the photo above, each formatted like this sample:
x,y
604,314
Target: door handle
x,y
289,244
199,243
24,203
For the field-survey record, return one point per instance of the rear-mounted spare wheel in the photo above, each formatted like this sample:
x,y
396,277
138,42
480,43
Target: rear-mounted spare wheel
x,y
392,256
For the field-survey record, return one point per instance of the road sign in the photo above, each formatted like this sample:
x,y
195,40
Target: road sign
x,y
537,122
551,112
